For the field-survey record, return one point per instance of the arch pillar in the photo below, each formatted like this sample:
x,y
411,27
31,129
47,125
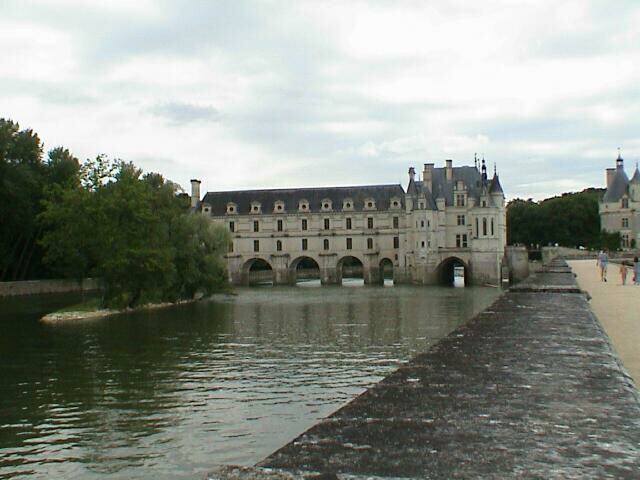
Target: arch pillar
x,y
234,268
281,272
371,269
329,274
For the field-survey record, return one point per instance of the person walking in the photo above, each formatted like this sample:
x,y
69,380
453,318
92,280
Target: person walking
x,y
623,273
604,262
636,271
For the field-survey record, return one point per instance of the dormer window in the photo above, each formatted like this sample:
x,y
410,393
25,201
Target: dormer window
x,y
303,205
278,206
459,185
395,202
232,208
369,204
625,202
256,207
326,205
347,204
206,208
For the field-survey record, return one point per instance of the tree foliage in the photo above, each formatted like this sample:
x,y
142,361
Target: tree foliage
x,y
132,231
570,220
25,180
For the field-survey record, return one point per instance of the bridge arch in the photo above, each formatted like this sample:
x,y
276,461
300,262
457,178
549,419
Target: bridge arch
x,y
350,266
304,268
447,270
257,271
386,269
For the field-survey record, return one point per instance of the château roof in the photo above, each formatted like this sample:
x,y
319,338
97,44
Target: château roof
x,y
495,185
381,194
636,176
618,186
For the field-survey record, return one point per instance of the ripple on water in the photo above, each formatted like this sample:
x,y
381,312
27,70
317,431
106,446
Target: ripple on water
x,y
172,393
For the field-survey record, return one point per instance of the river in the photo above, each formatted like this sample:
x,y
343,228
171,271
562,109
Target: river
x,y
174,392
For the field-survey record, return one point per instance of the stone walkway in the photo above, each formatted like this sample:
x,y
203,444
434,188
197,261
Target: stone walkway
x,y
530,388
618,309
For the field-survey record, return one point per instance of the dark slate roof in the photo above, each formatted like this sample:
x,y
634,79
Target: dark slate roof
x,y
617,188
441,188
495,185
382,195
636,176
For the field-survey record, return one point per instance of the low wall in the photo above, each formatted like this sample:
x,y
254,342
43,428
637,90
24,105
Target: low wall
x,y
35,287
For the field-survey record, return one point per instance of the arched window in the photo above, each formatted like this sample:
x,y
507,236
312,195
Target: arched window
x,y
326,244
484,226
279,245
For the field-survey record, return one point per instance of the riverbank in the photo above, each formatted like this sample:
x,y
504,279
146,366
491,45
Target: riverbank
x,y
531,387
617,307
69,315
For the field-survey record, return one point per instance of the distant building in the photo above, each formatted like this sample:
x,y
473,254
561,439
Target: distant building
x,y
455,216
620,206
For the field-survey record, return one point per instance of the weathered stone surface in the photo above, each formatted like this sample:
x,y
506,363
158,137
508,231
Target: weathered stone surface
x,y
530,388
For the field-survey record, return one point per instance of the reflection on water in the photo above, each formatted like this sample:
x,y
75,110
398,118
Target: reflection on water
x,y
173,392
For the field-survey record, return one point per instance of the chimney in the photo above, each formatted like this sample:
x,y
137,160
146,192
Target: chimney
x,y
195,192
449,170
611,172
412,173
427,176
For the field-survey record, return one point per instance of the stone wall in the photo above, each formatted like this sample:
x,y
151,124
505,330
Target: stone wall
x,y
36,287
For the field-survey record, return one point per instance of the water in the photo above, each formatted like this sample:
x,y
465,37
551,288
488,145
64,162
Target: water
x,y
174,392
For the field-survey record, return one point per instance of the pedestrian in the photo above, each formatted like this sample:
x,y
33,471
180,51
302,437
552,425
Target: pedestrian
x,y
598,257
636,271
604,262
623,273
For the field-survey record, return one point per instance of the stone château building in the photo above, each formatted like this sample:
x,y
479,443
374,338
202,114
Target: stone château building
x,y
453,216
620,206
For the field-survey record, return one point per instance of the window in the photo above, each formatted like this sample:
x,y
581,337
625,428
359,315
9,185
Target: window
x,y
396,222
625,223
348,224
326,204
303,205
422,243
492,227
304,224
349,244
461,220
396,242
370,204
279,246
255,207
231,208
347,204
230,247
325,244
484,203
369,222
232,226
421,205
304,244
461,240
326,224
460,200
256,245
484,227
256,226
625,203
369,243
279,225
421,223
477,229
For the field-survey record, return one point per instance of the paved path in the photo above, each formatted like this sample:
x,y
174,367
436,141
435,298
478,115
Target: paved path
x,y
530,388
617,308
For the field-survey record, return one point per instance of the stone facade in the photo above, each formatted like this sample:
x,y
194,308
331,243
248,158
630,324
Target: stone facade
x,y
620,206
454,216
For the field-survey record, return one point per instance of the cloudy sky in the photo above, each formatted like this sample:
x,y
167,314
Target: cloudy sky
x,y
274,93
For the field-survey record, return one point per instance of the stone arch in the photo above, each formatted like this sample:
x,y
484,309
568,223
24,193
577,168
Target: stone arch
x,y
350,266
304,268
386,269
256,271
447,268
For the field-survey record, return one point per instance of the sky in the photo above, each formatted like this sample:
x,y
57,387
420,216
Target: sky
x,y
270,94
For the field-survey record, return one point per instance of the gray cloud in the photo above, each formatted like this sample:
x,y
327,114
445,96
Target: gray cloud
x,y
177,113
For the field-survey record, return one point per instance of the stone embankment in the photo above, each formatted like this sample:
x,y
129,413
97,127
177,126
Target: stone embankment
x,y
530,388
39,287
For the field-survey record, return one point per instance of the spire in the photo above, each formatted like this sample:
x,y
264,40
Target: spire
x,y
495,182
619,161
636,175
484,171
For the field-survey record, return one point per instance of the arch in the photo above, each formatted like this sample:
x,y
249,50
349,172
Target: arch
x,y
386,270
351,267
304,268
449,268
257,271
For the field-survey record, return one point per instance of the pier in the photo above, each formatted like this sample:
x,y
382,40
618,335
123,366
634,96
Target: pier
x,y
530,388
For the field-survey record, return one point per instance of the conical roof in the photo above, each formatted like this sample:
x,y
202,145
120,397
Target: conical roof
x,y
495,185
617,188
636,176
